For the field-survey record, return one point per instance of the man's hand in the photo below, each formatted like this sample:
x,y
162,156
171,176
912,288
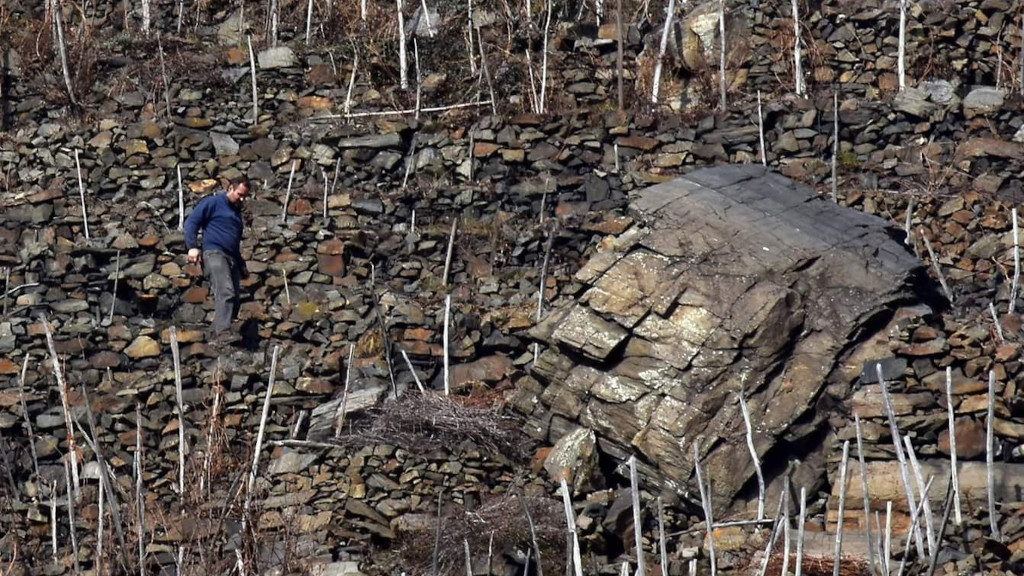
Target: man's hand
x,y
193,256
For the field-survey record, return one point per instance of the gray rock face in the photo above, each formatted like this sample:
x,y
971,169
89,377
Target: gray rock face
x,y
982,101
279,57
736,280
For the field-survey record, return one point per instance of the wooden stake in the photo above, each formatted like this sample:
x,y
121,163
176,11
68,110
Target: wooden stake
x,y
447,316
339,418
469,31
113,295
259,440
164,77
81,194
570,521
403,65
835,147
951,413
776,527
65,406
287,294
145,17
864,491
656,82
252,71
533,538
490,550
140,501
412,370
309,19
1016,258
927,507
837,560
906,226
534,99
181,201
469,559
800,531
106,476
437,536
662,548
887,556
288,192
419,84
469,154
901,58
995,321
753,456
176,355
798,72
721,67
618,28
487,74
53,519
451,248
989,457
904,472
760,131
938,270
544,65
914,530
71,511
99,530
705,500
637,520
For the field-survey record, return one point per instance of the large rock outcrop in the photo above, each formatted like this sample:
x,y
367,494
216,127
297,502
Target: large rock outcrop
x,y
734,280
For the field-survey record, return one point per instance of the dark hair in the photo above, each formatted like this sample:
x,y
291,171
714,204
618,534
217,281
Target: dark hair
x,y
239,181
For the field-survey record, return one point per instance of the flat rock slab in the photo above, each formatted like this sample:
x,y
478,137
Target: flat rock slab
x,y
732,280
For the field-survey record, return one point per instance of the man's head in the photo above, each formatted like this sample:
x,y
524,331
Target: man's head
x,y
238,189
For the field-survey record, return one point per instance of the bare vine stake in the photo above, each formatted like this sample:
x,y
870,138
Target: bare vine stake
x,y
570,521
842,509
469,559
951,412
252,71
241,17
901,56
800,531
721,66
776,526
999,59
351,83
662,549
181,10
28,421
7,288
540,294
58,19
81,194
544,65
71,511
181,202
412,370
656,82
164,78
447,315
753,456
786,543
448,256
533,539
926,505
419,83
888,537
760,131
53,519
113,295
309,19
469,31
487,73
914,529
140,501
634,486
326,190
362,12
625,569
287,293
403,64
618,29
534,101
490,553
339,418
106,477
288,192
259,440
145,17
274,9
797,66
576,555
99,530
938,270
1016,258
989,456
176,355
65,406
906,226
904,473
705,499
995,321
472,145
864,490
835,146
615,152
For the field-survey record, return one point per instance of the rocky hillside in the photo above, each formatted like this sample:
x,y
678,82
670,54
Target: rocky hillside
x,y
359,184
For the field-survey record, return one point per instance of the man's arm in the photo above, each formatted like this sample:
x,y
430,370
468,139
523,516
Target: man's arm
x,y
196,220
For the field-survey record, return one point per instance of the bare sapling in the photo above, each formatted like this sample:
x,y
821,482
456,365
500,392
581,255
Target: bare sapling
x,y
451,249
533,538
993,520
901,457
753,456
487,73
257,451
81,195
351,84
181,201
999,59
951,413
58,20
252,72
403,61
938,270
1016,261
705,500
901,65
798,72
864,491
541,288
634,486
544,64
801,522
946,507
721,64
165,80
65,405
447,318
837,559
760,131
339,418
656,82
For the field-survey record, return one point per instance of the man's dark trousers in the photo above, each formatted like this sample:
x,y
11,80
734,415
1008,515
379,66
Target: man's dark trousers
x,y
224,274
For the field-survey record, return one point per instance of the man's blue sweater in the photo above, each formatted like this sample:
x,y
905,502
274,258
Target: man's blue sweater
x,y
221,222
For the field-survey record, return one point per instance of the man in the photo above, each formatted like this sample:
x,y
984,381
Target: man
x,y
219,216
